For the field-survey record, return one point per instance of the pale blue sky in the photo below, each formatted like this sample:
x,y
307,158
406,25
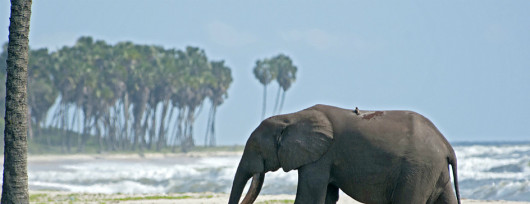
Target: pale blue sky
x,y
463,64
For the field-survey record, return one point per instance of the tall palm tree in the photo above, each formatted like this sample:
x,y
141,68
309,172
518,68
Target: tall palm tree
x,y
198,68
264,73
219,91
166,86
15,180
41,92
286,75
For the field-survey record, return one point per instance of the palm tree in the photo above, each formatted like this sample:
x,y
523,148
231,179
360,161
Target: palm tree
x,y
279,68
66,80
219,91
198,68
15,180
264,73
286,75
41,92
126,57
166,86
139,86
103,84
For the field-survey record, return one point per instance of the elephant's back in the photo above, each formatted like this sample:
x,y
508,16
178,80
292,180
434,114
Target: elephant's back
x,y
394,132
371,146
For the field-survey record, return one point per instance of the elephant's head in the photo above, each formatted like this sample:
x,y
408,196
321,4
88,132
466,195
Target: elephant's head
x,y
287,141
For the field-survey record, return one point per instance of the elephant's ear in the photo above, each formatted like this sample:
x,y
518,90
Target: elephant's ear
x,y
305,140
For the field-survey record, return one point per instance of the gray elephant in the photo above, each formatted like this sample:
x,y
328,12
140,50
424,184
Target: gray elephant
x,y
372,156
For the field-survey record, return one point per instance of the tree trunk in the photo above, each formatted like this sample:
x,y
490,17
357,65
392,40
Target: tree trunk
x,y
208,125
281,103
275,110
161,131
15,180
125,137
212,130
64,128
264,102
138,110
188,142
178,133
114,128
98,134
71,128
152,131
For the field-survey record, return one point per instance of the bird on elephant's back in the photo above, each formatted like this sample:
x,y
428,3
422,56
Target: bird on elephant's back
x,y
372,156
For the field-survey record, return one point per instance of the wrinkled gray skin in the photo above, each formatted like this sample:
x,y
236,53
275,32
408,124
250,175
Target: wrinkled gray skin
x,y
373,156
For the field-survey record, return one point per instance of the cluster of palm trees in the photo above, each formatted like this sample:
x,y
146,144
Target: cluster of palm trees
x,y
279,68
125,95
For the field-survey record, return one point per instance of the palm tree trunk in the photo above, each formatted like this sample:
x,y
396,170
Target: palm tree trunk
x,y
281,103
275,110
15,180
178,133
187,143
64,127
212,130
161,131
98,134
152,131
86,131
125,131
69,140
208,124
264,101
144,129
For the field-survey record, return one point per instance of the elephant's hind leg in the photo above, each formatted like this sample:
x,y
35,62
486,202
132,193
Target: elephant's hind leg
x,y
332,195
413,187
448,196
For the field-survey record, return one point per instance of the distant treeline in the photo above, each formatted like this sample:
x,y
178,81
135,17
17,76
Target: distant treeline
x,y
122,96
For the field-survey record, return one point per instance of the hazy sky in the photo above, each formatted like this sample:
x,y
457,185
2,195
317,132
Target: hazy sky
x,y
463,64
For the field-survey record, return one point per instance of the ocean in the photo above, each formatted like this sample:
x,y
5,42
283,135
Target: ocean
x,y
486,171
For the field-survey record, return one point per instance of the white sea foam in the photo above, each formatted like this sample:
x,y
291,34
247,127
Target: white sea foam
x,y
490,171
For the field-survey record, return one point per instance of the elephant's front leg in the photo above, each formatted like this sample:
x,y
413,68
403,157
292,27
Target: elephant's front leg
x,y
313,181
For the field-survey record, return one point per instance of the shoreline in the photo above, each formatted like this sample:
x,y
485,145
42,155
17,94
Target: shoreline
x,y
67,157
203,197
181,198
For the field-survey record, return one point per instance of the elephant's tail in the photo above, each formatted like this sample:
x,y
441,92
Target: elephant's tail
x,y
452,161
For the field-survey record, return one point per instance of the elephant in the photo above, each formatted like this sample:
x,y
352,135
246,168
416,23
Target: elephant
x,y
372,156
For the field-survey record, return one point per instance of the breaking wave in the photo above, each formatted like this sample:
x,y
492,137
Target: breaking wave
x,y
493,171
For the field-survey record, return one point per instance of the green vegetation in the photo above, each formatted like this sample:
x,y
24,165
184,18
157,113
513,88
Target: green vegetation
x,y
275,202
97,97
165,197
279,68
50,143
59,197
154,198
62,197
37,197
123,96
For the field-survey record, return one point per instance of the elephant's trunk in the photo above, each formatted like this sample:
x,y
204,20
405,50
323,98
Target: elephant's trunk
x,y
240,180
